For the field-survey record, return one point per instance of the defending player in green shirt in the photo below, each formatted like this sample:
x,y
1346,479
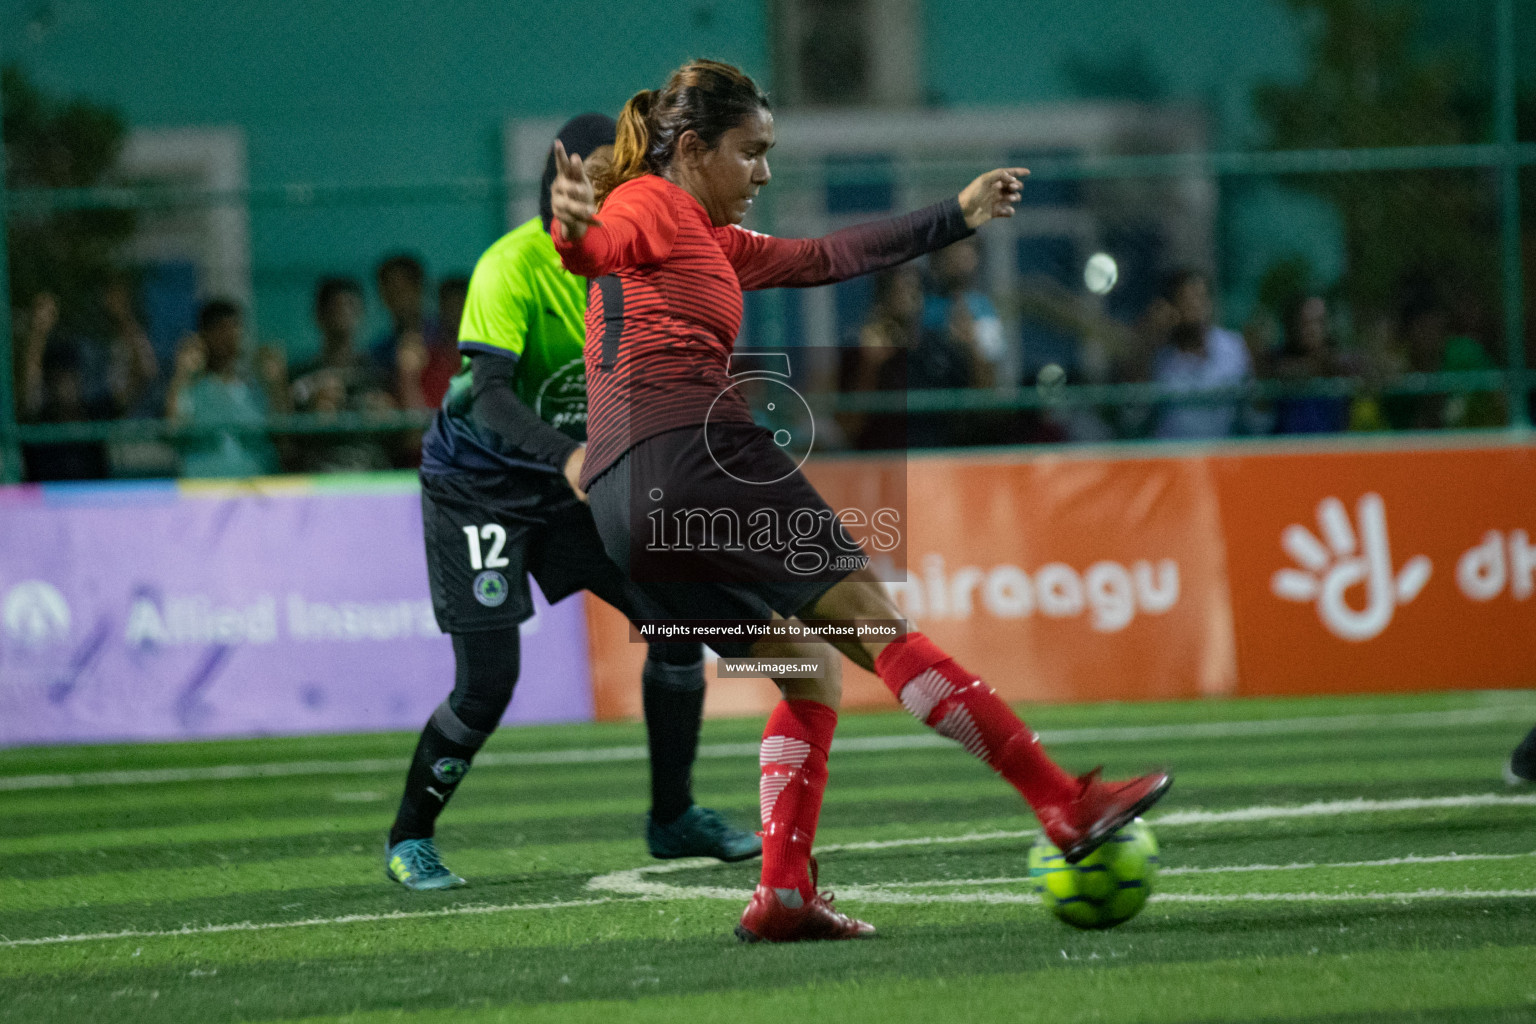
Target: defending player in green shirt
x,y
499,503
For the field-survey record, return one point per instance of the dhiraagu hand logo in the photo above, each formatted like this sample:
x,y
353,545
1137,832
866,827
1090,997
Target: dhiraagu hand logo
x,y
1346,560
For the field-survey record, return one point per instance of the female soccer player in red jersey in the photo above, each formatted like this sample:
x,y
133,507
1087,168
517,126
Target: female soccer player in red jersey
x,y
658,236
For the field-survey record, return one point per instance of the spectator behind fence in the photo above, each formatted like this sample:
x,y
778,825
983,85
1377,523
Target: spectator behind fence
x,y
114,359
1308,350
51,387
340,379
950,355
1429,343
443,358
1196,354
211,388
401,350
877,361
952,271
132,372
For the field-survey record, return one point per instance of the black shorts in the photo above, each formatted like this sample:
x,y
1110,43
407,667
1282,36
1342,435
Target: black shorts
x,y
486,534
726,528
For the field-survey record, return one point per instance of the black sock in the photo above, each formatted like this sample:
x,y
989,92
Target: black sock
x,y
442,758
1523,760
673,696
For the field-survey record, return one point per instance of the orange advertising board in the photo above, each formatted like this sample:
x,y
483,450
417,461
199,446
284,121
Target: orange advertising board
x,y
1348,568
1055,579
1381,570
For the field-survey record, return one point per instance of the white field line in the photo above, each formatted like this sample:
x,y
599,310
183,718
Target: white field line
x,y
635,885
308,922
1385,862
637,881
888,844
1349,897
632,885
863,744
868,894
878,894
1329,808
1320,809
1233,869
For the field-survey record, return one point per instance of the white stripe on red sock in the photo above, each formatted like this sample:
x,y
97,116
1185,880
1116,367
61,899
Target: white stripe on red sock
x,y
959,726
783,750
778,750
924,692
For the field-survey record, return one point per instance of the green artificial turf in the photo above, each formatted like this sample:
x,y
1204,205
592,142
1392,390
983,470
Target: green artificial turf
x,y
243,880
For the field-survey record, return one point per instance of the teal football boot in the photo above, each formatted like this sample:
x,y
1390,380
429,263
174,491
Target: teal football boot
x,y
701,832
414,864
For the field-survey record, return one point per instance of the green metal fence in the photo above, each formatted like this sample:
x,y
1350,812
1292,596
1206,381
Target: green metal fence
x,y
10,447
1504,158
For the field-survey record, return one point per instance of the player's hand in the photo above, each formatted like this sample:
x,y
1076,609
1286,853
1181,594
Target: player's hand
x,y
571,198
573,464
992,195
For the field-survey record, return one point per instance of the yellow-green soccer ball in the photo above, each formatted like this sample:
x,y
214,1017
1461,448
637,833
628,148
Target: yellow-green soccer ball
x,y
1107,887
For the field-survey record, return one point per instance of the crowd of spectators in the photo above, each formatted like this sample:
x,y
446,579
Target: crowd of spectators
x,y
930,325
99,364
933,327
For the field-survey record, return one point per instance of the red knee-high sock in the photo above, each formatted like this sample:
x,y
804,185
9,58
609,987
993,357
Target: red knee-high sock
x,y
952,701
794,766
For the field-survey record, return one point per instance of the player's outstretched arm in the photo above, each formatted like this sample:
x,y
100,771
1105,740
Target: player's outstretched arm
x,y
762,261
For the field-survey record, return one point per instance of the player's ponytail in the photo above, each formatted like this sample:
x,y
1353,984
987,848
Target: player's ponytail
x,y
703,96
630,145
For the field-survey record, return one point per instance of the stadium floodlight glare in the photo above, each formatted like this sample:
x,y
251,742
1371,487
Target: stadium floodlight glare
x,y
1101,273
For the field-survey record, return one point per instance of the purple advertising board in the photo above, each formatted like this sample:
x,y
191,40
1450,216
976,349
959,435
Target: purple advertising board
x,y
163,611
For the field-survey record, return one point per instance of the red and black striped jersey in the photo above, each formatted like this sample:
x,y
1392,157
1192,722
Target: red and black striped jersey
x,y
664,303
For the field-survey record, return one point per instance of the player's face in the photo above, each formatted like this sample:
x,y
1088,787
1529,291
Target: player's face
x,y
732,172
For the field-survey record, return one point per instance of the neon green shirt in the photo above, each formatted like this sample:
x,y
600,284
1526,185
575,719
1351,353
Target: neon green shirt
x,y
523,303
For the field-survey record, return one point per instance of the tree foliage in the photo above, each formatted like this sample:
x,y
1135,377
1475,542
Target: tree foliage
x,y
1372,81
52,143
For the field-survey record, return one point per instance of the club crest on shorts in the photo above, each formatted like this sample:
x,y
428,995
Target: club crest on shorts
x,y
491,588
449,770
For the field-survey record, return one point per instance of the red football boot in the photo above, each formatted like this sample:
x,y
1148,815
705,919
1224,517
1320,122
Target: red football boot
x,y
768,919
1099,810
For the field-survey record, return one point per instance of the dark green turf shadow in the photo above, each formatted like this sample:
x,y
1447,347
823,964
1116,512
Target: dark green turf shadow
x,y
441,979
272,799
327,842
